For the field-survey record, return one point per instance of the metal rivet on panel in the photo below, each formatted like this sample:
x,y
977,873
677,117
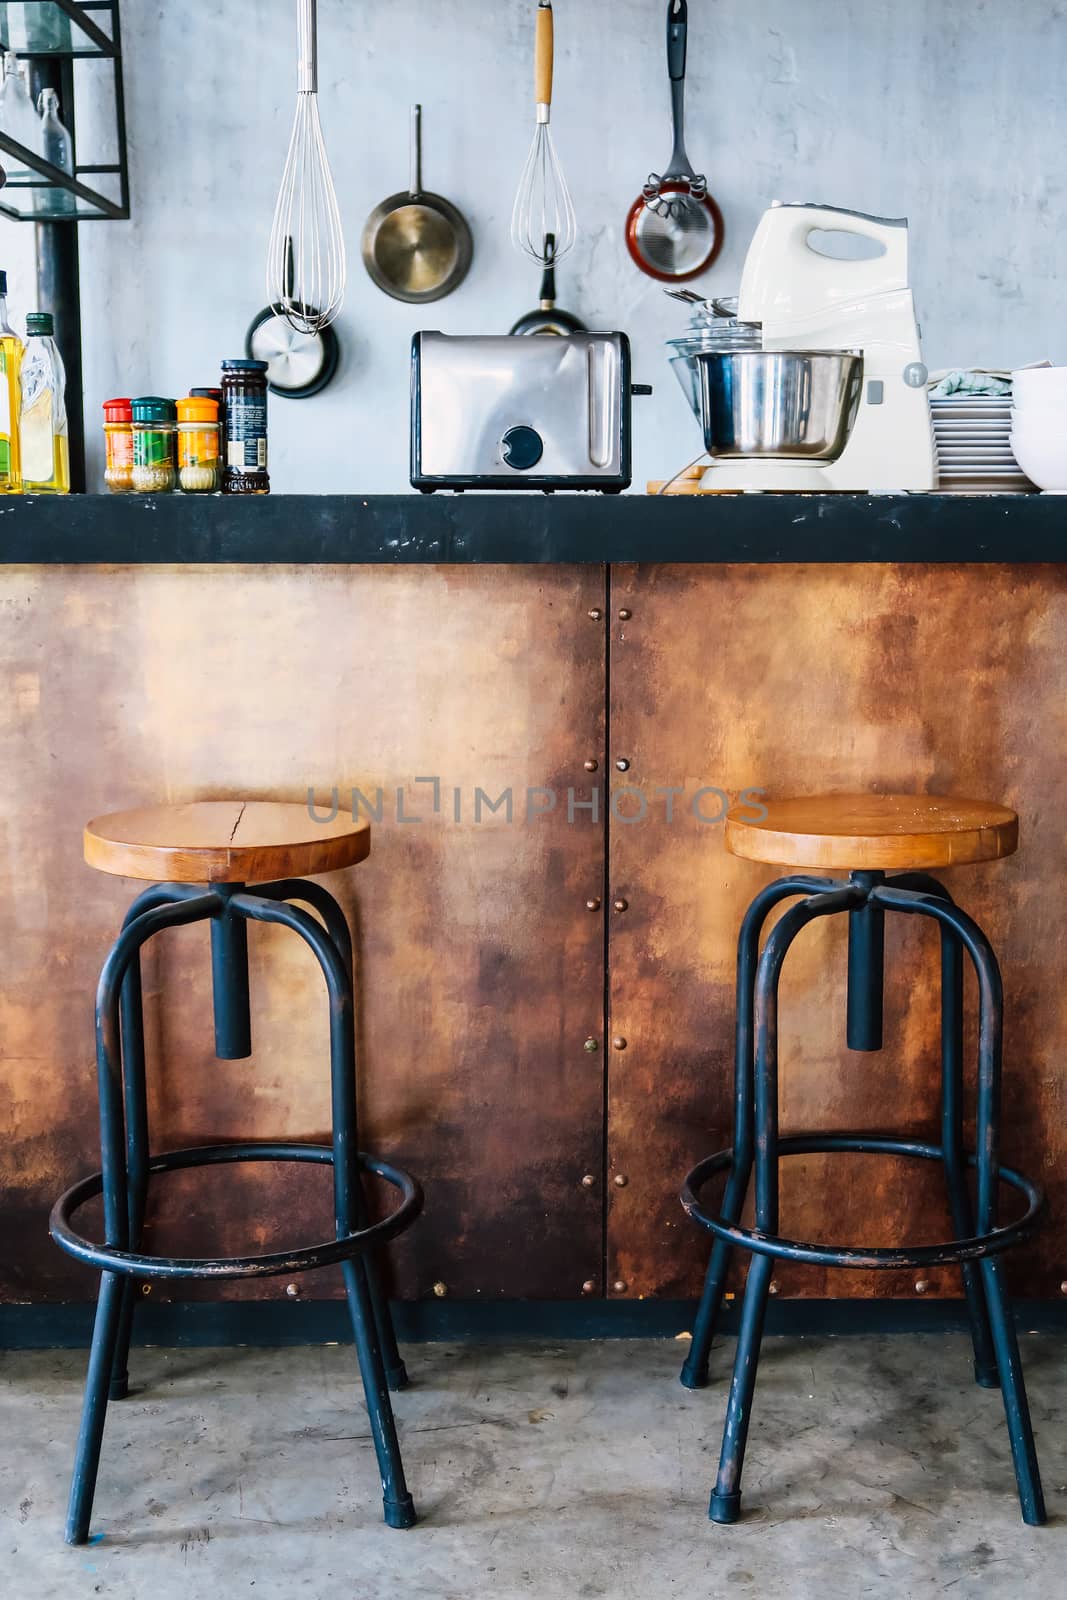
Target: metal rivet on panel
x,y
593,904
590,1045
588,1180
440,1289
292,1290
618,1043
625,615
620,904
622,764
772,1287
621,1180
921,1285
588,1286
596,613
590,766
619,1286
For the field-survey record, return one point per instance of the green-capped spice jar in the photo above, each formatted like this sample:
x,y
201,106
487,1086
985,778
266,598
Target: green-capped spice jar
x,y
154,423
244,391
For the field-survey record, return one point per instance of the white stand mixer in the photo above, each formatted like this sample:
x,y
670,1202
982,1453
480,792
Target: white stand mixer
x,y
808,300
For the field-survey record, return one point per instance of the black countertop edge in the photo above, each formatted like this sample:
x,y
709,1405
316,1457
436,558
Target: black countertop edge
x,y
411,529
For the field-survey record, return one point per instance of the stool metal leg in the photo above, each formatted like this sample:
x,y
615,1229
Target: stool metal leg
x,y
725,1503
987,1121
137,1152
94,1407
399,1507
987,1131
955,1162
116,1198
694,1373
314,895
136,1102
985,1361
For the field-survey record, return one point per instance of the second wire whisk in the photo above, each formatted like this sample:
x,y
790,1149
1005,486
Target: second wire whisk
x,y
543,203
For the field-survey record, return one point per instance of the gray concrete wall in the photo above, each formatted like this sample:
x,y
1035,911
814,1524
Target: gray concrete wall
x,y
951,111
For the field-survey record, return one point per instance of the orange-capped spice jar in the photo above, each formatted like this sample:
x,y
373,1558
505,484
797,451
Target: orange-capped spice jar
x,y
118,444
199,465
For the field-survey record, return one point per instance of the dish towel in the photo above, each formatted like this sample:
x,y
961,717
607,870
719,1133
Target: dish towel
x,y
974,380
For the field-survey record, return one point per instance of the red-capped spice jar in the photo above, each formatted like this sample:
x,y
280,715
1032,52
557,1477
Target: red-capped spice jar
x,y
118,443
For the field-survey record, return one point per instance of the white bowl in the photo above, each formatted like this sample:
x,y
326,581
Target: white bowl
x,y
1040,427
1040,386
1043,461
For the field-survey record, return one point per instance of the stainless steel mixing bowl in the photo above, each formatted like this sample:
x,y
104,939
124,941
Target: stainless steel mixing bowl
x,y
787,405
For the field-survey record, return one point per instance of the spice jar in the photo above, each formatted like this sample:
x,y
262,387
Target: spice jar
x,y
216,395
154,471
198,445
118,444
244,393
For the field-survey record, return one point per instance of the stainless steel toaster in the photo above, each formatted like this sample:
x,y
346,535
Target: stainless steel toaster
x,y
512,413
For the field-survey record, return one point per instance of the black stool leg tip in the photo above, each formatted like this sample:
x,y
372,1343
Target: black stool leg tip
x,y
694,1377
986,1377
119,1388
400,1513
725,1508
397,1378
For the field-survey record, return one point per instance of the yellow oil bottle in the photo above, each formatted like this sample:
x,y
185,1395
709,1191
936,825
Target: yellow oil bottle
x,y
10,362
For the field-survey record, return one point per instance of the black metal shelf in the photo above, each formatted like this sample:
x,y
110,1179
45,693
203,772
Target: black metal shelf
x,y
56,49
57,28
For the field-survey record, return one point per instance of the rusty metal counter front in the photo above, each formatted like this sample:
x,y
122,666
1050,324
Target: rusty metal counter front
x,y
546,979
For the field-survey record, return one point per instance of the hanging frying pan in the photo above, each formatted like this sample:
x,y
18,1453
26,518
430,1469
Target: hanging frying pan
x,y
548,318
299,365
417,246
675,229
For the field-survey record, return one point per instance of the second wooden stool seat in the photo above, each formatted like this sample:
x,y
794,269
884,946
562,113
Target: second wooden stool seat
x,y
876,832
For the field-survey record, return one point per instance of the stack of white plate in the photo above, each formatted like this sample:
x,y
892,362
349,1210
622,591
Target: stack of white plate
x,y
972,434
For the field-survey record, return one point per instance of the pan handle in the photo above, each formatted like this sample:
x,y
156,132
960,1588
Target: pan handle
x,y
544,51
677,38
415,186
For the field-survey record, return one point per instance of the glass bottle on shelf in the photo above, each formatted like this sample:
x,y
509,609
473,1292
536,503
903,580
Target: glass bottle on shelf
x,y
43,443
57,146
18,118
10,361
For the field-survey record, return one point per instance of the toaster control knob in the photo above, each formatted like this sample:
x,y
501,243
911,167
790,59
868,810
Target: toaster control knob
x,y
522,448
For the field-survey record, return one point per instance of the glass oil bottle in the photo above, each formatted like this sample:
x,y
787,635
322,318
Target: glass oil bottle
x,y
43,442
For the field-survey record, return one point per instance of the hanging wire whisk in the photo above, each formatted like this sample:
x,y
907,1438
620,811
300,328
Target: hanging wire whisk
x,y
543,203
306,266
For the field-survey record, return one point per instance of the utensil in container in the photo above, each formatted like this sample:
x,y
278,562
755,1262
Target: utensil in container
x,y
548,318
417,246
543,202
674,229
306,265
790,405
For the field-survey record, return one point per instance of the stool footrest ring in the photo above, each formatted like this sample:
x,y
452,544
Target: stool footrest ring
x,y
876,1256
111,1259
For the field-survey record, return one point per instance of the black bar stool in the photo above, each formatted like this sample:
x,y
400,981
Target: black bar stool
x,y
223,845
868,836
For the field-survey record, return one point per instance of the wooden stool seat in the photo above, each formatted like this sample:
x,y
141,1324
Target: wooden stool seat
x,y
223,841
873,832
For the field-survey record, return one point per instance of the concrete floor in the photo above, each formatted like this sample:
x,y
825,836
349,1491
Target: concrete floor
x,y
576,1470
